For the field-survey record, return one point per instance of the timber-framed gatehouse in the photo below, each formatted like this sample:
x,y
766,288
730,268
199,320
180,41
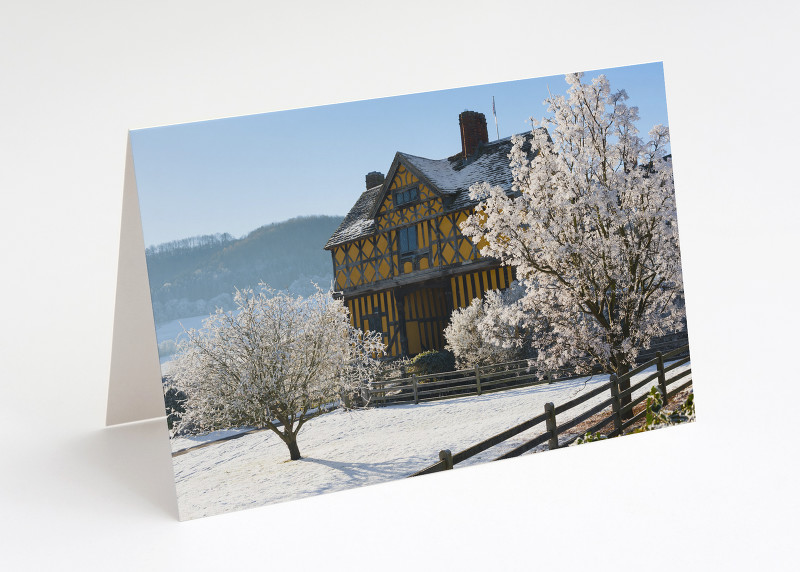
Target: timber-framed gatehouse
x,y
399,258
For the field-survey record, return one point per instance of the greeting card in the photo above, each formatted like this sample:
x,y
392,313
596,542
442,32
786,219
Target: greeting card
x,y
339,296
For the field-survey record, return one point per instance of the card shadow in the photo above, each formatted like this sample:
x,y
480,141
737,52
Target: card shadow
x,y
134,456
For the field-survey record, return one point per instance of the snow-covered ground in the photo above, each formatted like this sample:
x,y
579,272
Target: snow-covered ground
x,y
186,442
344,449
174,332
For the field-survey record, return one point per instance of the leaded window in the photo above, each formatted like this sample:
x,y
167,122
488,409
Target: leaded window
x,y
408,239
406,196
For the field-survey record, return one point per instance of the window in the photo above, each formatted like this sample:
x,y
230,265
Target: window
x,y
406,196
408,239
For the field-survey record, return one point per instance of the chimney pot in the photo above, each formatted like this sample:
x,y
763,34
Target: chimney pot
x,y
473,132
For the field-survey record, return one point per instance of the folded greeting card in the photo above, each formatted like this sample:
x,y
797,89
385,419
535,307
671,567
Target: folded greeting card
x,y
339,296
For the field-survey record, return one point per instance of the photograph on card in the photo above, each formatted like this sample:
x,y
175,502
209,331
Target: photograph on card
x,y
355,293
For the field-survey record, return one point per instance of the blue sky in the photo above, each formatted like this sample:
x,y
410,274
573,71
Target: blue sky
x,y
235,175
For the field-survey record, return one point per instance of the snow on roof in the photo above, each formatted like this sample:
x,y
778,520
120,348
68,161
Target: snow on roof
x,y
357,223
451,177
454,175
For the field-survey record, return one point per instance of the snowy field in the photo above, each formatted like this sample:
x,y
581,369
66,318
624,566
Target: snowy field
x,y
342,450
174,332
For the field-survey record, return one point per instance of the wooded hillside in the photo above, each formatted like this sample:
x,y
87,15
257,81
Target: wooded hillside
x,y
193,276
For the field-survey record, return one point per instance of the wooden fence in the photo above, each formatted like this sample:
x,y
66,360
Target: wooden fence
x,y
473,381
617,416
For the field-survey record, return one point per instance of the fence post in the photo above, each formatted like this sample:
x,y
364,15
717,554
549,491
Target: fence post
x,y
416,394
446,456
615,404
549,408
478,378
662,378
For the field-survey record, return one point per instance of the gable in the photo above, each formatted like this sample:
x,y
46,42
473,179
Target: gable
x,y
444,185
425,204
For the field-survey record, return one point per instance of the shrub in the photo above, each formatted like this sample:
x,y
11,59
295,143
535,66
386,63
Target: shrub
x,y
432,362
657,416
174,400
590,438
485,333
392,368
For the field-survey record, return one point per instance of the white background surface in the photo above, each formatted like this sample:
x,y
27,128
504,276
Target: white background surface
x,y
721,494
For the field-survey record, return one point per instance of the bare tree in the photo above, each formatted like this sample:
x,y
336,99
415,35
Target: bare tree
x,y
592,231
275,363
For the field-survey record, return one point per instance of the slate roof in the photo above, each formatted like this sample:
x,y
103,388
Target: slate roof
x,y
357,223
451,178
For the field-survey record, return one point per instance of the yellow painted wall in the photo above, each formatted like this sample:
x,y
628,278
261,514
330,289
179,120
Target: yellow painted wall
x,y
425,317
429,204
358,262
382,303
423,333
465,287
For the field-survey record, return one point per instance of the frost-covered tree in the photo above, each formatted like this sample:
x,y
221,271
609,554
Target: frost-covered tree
x,y
489,330
591,230
274,363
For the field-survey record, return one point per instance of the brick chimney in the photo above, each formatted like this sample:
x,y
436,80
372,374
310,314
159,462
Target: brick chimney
x,y
473,132
374,179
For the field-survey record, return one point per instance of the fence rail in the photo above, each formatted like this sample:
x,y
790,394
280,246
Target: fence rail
x,y
474,381
621,415
482,379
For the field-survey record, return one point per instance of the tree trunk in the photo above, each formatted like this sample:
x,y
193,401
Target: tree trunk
x,y
287,436
294,450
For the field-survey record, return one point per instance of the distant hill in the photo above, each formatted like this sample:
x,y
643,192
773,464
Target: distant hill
x,y
193,276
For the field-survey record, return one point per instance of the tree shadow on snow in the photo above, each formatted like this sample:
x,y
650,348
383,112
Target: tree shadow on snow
x,y
368,473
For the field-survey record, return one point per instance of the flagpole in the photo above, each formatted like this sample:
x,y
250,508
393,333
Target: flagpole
x,y
494,112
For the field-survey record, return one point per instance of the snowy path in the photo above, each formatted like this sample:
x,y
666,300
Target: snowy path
x,y
342,450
